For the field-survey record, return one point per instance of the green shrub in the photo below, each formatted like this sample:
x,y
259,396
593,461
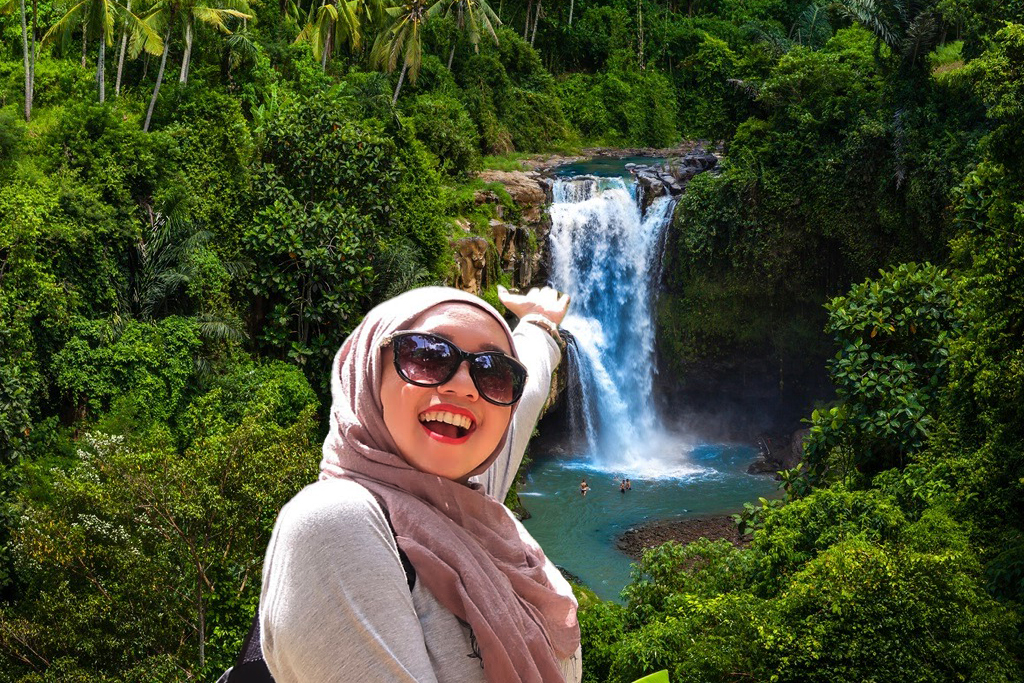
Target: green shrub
x,y
860,611
512,97
434,78
444,127
708,104
893,336
213,154
57,82
318,153
703,568
798,531
109,151
274,392
702,639
12,139
108,545
622,106
156,360
601,631
584,107
311,274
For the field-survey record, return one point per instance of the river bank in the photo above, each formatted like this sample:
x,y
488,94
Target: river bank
x,y
634,541
547,162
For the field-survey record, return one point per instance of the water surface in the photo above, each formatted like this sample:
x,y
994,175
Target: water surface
x,y
579,532
605,166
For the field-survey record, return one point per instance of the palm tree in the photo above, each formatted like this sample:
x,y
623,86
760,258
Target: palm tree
x,y
198,9
404,38
239,49
812,27
164,14
97,19
909,28
332,23
28,53
28,49
120,59
163,267
471,16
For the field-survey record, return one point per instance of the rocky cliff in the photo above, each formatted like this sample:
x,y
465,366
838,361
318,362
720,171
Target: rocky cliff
x,y
517,244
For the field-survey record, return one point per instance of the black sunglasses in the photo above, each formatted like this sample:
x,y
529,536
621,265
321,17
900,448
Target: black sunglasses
x,y
427,360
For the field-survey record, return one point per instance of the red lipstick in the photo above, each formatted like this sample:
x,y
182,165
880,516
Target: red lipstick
x,y
455,410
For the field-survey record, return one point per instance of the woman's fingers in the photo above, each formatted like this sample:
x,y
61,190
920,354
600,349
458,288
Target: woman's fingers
x,y
546,301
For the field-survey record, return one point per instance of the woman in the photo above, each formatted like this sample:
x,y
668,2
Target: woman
x,y
424,394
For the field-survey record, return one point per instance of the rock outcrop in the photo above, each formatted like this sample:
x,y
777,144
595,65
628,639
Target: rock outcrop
x,y
779,452
471,259
672,176
520,246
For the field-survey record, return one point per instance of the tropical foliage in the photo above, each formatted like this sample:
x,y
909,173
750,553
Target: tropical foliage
x,y
179,258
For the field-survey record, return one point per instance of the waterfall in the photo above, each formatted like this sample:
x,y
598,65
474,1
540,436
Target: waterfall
x,y
606,254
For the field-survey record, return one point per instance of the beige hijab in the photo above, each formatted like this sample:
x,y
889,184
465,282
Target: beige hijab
x,y
465,546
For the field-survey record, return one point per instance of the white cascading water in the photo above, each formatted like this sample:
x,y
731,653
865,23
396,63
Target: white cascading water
x,y
606,255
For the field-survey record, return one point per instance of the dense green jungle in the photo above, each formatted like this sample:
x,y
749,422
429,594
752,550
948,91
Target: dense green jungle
x,y
198,200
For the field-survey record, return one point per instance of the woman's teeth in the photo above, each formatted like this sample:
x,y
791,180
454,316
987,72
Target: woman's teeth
x,y
446,424
448,418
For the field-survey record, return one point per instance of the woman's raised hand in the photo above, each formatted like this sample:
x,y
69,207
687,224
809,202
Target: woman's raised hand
x,y
547,301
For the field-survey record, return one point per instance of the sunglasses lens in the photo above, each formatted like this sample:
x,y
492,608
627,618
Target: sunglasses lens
x,y
427,360
424,360
497,378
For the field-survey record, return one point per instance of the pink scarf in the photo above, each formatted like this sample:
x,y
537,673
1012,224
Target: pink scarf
x,y
465,546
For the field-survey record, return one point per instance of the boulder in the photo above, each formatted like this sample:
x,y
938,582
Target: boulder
x,y
471,258
779,452
490,197
527,189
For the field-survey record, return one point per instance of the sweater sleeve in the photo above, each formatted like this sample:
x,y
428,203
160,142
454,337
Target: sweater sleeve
x,y
336,604
540,354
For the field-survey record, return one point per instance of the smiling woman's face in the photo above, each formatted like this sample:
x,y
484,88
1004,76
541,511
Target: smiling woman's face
x,y
420,419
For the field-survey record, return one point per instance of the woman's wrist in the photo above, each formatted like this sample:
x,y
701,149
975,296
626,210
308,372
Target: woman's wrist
x,y
545,324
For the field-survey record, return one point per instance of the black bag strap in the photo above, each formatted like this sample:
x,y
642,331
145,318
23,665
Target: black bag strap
x,y
410,571
250,666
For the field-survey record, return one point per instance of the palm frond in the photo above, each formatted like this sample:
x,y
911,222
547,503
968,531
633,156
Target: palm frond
x,y
219,330
141,33
375,11
216,17
413,52
380,51
241,6
434,10
63,27
349,21
241,49
144,36
811,28
920,38
487,18
869,14
769,36
399,269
